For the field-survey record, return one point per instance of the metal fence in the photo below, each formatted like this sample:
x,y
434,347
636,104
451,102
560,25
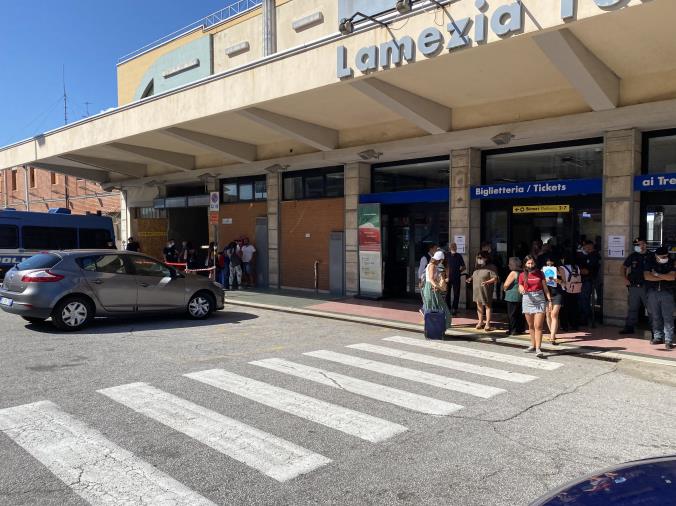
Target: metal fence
x,y
232,10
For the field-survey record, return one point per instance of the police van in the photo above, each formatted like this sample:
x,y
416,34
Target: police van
x,y
22,234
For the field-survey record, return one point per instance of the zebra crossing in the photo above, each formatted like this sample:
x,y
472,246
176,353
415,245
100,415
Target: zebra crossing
x,y
101,472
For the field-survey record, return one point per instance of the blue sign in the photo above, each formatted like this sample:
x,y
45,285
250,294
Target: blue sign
x,y
560,188
406,197
655,182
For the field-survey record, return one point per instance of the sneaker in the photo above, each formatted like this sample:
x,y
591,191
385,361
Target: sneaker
x,y
669,345
656,341
539,353
530,349
627,330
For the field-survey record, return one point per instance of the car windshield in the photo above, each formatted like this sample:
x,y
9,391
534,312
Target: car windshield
x,y
39,261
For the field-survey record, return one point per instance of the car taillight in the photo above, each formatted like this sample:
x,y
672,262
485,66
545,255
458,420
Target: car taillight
x,y
41,277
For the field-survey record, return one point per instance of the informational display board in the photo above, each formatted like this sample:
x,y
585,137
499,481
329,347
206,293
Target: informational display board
x,y
370,251
557,208
616,246
532,189
655,182
459,241
214,201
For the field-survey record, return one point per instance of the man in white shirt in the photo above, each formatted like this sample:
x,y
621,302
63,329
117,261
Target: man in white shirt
x,y
248,253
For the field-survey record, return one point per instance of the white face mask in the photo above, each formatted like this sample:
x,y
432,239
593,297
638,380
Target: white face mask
x,y
661,260
637,249
480,261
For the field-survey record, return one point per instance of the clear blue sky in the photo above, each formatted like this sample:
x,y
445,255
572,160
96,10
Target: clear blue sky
x,y
38,37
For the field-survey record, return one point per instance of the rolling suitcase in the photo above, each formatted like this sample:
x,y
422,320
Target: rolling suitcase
x,y
435,324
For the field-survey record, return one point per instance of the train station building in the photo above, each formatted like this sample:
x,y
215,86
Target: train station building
x,y
342,136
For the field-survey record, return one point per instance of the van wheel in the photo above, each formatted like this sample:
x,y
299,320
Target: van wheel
x,y
200,306
73,313
34,320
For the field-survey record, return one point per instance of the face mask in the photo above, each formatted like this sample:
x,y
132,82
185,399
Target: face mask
x,y
585,252
637,249
480,261
661,260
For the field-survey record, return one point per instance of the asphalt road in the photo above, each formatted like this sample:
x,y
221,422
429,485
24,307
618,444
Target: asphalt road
x,y
502,432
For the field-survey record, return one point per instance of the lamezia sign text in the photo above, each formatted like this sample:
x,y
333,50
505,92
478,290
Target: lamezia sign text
x,y
504,21
538,189
655,182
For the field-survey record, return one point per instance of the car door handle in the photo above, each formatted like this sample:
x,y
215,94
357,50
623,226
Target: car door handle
x,y
144,285
98,281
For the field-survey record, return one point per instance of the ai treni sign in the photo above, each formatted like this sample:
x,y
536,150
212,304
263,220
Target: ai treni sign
x,y
503,21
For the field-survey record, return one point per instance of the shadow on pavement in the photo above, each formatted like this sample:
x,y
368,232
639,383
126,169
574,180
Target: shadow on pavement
x,y
147,322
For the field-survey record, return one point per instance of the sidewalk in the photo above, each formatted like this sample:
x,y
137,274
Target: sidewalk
x,y
601,342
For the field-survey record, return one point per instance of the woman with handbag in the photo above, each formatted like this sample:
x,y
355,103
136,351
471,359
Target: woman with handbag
x,y
434,289
536,299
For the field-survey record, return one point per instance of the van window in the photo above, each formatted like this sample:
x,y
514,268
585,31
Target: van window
x,y
49,238
9,237
94,238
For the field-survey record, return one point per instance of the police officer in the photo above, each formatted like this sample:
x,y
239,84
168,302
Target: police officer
x,y
633,269
660,276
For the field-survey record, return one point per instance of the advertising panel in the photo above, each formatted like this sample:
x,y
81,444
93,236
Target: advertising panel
x,y
370,251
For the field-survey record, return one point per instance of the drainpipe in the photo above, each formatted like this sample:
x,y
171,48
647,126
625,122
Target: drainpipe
x,y
6,186
26,189
269,27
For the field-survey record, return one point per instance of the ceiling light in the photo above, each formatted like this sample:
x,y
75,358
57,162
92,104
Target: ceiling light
x,y
274,169
404,6
370,154
502,138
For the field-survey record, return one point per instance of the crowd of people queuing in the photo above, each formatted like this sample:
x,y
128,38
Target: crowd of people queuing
x,y
550,285
233,265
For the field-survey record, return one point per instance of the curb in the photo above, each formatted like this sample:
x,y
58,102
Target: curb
x,y
591,352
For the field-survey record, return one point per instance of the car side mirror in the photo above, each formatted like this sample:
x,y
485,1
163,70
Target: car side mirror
x,y
175,274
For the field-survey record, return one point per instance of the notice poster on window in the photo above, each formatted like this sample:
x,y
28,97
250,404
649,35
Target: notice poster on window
x,y
370,251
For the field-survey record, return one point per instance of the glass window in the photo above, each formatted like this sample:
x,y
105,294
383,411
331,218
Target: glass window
x,y
108,264
661,226
246,191
414,175
662,154
293,188
144,266
570,162
229,192
9,237
335,184
94,238
314,187
39,261
49,238
261,189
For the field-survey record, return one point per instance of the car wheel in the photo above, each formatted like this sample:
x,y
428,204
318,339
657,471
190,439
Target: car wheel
x,y
200,306
73,314
34,320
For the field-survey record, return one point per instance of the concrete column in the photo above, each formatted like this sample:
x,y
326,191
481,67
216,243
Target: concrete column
x,y
269,27
465,214
125,220
274,182
357,182
621,214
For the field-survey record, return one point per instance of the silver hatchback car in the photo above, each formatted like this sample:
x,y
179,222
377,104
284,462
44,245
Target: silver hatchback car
x,y
72,287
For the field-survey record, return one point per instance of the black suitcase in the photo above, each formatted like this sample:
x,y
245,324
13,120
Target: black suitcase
x,y
435,324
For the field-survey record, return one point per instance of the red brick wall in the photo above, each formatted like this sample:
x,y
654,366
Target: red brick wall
x,y
243,217
297,251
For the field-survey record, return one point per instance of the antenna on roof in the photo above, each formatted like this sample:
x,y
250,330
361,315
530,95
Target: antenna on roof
x,y
65,97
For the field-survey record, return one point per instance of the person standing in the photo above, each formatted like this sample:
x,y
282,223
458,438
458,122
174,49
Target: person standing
x,y
660,276
633,270
456,266
533,288
234,253
434,288
553,279
590,264
248,254
424,261
483,282
133,245
169,252
513,297
572,286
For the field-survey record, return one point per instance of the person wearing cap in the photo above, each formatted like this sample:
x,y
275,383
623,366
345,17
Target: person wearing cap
x,y
434,289
660,277
632,270
483,282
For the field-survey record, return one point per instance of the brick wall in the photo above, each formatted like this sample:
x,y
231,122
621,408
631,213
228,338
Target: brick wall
x,y
318,218
243,217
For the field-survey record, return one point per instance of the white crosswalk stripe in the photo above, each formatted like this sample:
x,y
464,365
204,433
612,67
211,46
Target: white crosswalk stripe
x,y
448,364
415,402
273,456
351,422
545,365
436,380
96,469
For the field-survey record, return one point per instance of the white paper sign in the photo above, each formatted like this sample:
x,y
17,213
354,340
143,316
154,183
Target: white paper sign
x,y
459,241
227,221
214,201
616,246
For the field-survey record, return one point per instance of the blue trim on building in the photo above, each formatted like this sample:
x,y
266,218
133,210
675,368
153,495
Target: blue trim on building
x,y
655,182
559,188
407,197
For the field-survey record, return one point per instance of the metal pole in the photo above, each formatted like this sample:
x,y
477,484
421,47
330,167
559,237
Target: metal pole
x,y
26,190
269,27
6,186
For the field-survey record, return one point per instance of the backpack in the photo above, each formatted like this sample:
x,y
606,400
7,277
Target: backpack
x,y
573,282
220,260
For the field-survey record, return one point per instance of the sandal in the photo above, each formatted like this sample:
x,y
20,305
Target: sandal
x,y
479,326
488,328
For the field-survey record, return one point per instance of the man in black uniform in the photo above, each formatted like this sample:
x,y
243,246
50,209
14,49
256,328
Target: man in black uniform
x,y
590,264
633,269
660,276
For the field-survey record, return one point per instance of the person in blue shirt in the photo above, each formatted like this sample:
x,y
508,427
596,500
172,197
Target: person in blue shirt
x,y
660,277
